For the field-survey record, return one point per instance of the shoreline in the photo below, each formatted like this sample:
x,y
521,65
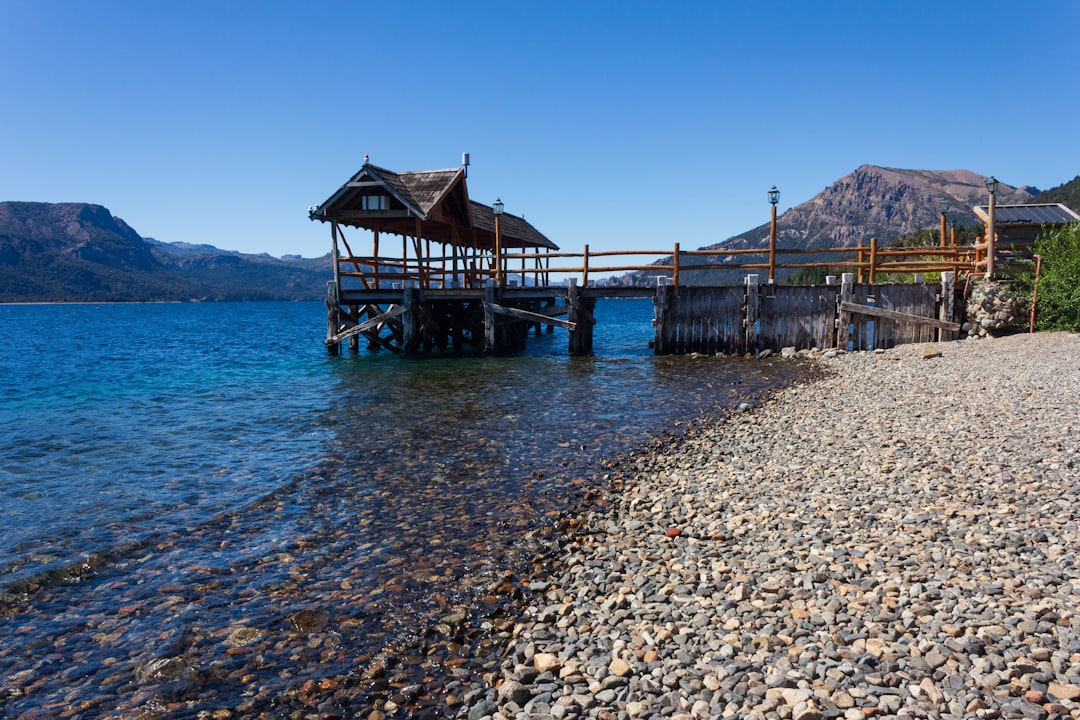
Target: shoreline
x,y
856,547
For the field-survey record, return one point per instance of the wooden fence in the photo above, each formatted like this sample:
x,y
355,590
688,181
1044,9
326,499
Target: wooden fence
x,y
535,267
755,317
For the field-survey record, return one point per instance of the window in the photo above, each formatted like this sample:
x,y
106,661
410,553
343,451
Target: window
x,y
375,202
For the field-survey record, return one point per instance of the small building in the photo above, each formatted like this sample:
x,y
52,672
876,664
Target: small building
x,y
464,274
1016,227
426,208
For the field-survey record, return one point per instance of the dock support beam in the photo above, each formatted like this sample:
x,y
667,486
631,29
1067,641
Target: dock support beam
x,y
665,319
580,309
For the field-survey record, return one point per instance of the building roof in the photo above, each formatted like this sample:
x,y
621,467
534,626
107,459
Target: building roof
x,y
1034,214
439,198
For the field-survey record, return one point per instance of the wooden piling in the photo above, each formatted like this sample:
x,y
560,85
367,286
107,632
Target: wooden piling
x,y
843,322
664,319
580,309
948,304
753,306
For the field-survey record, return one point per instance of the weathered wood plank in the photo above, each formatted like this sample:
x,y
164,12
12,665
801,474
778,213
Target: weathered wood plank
x,y
894,315
393,312
539,317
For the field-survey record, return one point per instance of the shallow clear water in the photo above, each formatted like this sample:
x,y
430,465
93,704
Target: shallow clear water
x,y
171,474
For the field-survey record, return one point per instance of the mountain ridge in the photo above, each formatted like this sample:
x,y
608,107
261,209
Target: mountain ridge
x,y
872,201
69,252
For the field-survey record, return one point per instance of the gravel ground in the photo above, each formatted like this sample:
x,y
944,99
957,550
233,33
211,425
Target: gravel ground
x,y
898,539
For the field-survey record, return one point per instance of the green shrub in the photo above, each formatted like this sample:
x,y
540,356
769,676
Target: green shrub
x,y
1057,304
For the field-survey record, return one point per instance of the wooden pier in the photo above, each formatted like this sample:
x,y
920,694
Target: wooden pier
x,y
727,320
471,278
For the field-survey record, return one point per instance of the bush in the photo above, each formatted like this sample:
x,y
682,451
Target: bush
x,y
1057,298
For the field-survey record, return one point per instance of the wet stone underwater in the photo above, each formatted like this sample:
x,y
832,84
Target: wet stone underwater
x,y
387,576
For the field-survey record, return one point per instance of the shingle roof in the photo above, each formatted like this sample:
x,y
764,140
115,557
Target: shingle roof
x,y
513,230
423,188
421,192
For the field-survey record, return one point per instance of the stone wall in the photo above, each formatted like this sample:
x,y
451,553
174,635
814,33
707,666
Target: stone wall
x,y
993,308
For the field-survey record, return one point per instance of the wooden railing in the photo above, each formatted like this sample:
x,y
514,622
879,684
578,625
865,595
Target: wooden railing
x,y
866,261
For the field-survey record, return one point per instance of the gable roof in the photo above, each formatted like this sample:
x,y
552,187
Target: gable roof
x,y
513,231
418,191
439,198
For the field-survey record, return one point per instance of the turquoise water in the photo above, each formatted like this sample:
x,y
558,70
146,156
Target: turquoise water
x,y
170,473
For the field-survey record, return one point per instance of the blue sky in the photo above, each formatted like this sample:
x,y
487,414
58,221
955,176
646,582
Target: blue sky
x,y
619,124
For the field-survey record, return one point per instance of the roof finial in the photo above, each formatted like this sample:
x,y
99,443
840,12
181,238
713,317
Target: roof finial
x,y
365,158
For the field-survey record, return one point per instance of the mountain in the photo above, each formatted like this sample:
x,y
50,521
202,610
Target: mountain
x,y
1068,194
67,252
885,203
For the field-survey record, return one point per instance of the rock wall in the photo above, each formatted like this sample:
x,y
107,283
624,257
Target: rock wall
x,y
993,309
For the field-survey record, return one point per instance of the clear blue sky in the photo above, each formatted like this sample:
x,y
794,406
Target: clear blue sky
x,y
619,124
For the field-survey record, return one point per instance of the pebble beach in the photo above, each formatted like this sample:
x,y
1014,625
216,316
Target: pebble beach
x,y
896,539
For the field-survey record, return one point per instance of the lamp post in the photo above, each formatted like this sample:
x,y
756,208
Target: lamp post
x,y
497,209
774,197
943,208
991,186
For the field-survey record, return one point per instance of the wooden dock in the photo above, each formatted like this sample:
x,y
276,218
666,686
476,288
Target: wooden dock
x,y
471,278
729,320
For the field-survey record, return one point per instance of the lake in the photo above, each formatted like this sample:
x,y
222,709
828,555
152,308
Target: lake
x,y
202,511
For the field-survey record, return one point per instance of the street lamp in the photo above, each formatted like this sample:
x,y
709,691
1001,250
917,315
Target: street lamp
x,y
991,186
497,209
774,197
943,208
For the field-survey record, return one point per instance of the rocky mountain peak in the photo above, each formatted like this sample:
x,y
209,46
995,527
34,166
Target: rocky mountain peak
x,y
880,202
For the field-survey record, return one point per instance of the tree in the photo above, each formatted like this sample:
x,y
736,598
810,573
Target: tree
x,y
1057,296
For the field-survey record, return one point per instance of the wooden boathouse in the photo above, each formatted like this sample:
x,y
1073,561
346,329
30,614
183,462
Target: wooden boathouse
x,y
447,274
458,276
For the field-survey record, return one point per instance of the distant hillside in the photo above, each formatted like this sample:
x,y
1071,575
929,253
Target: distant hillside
x,y
1067,194
67,252
885,203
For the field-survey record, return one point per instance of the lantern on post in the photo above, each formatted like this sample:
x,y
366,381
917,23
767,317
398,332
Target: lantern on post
x,y
774,197
991,187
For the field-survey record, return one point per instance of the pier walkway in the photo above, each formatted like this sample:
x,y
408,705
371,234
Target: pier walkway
x,y
460,276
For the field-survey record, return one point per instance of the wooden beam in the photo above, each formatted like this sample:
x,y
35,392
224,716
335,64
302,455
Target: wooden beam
x,y
895,315
393,312
527,315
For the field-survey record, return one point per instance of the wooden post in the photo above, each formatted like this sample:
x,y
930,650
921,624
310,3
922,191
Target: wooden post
x,y
859,268
332,310
335,255
772,246
410,320
354,341
498,253
991,236
753,300
675,264
580,312
375,260
873,260
843,329
489,317
948,302
664,319
585,267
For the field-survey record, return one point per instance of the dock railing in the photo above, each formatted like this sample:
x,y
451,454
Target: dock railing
x,y
536,268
